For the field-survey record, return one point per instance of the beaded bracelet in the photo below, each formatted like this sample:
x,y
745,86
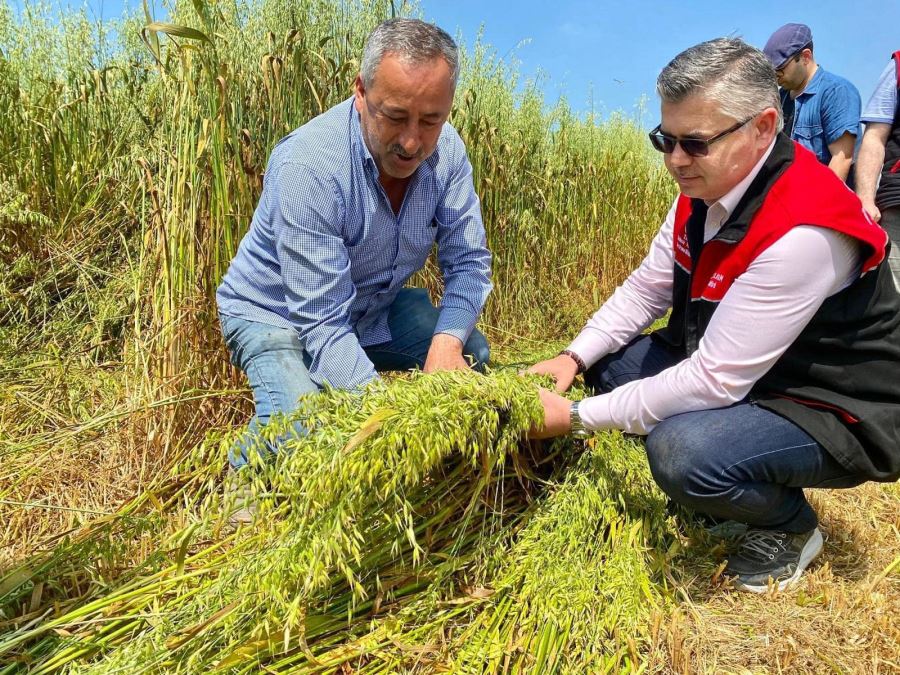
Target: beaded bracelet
x,y
577,359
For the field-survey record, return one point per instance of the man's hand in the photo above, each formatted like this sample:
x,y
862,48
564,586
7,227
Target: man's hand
x,y
872,210
556,416
445,353
561,368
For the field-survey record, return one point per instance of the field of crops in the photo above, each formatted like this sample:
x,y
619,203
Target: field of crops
x,y
414,531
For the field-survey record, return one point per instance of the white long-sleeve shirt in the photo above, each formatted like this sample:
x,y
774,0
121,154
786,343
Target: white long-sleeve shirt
x,y
759,317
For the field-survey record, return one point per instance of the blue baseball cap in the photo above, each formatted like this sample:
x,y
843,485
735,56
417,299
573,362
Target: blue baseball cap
x,y
786,42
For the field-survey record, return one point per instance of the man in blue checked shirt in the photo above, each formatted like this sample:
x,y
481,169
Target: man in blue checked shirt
x,y
352,204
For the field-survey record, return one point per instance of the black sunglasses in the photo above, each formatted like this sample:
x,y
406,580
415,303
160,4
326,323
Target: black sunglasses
x,y
695,147
796,57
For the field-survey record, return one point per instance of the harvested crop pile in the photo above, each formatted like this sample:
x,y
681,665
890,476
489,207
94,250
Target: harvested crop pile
x,y
411,529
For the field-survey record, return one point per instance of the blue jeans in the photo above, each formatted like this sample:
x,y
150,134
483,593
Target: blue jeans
x,y
742,463
277,366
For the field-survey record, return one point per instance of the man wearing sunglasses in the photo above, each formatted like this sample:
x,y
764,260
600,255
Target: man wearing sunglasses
x,y
779,368
821,109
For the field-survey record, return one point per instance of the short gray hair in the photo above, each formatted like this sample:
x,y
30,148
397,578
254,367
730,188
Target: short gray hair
x,y
728,71
414,41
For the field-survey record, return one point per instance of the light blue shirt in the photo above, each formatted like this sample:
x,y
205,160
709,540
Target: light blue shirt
x,y
882,105
326,255
827,108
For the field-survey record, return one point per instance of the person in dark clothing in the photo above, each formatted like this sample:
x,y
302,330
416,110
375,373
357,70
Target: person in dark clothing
x,y
878,164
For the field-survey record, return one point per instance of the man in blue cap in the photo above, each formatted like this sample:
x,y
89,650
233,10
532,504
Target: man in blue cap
x,y
821,110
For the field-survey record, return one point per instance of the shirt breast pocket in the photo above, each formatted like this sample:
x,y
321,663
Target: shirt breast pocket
x,y
418,241
812,137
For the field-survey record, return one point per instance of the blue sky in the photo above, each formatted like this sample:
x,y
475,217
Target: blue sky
x,y
616,49
607,54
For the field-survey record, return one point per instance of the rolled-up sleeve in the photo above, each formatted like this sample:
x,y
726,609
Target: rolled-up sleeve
x,y
463,256
306,212
840,111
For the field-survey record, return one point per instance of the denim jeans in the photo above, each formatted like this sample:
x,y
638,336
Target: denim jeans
x,y
277,366
742,463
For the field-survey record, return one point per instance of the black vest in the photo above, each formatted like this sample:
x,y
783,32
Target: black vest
x,y
888,195
840,379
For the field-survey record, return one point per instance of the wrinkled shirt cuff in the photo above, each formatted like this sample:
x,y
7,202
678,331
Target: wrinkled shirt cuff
x,y
456,322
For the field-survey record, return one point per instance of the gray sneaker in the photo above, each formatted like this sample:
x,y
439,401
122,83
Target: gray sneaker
x,y
765,555
240,501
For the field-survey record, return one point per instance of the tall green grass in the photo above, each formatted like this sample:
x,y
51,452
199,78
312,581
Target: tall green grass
x,y
169,134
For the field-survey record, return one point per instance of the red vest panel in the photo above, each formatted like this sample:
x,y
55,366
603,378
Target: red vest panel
x,y
794,199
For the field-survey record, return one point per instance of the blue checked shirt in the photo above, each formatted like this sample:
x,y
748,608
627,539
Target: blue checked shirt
x,y
326,255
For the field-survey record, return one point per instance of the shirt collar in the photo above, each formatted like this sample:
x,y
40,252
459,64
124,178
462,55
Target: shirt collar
x,y
356,138
730,200
812,87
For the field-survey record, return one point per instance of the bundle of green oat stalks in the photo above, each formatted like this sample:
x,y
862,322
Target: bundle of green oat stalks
x,y
410,528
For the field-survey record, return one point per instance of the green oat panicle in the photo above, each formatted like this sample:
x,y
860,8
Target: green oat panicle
x,y
573,599
392,537
339,503
368,450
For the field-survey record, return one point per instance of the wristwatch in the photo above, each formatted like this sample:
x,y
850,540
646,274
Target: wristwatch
x,y
577,426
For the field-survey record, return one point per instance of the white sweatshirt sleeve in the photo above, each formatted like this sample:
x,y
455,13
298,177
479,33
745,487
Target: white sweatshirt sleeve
x,y
760,316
